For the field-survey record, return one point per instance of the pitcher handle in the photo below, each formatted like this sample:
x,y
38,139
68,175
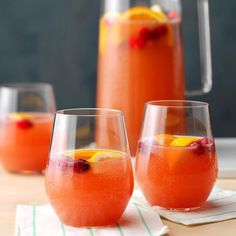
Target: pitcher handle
x,y
205,49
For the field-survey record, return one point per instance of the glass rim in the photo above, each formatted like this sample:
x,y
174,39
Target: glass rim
x,y
26,85
105,112
177,103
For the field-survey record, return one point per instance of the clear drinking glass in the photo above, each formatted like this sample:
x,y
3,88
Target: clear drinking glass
x,y
26,118
176,164
89,177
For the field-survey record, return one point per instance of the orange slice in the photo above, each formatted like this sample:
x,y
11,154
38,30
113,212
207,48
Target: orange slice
x,y
143,13
111,31
104,155
153,14
98,160
77,154
183,141
165,139
20,116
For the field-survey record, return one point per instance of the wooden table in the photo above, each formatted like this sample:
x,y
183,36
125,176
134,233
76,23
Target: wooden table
x,y
20,189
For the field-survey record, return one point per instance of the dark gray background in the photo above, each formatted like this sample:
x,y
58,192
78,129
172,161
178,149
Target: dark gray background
x,y
55,41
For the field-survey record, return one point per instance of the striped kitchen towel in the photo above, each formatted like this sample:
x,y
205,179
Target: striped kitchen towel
x,y
221,205
138,219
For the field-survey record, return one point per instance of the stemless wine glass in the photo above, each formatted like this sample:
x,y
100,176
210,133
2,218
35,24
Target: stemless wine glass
x,y
89,177
176,164
26,118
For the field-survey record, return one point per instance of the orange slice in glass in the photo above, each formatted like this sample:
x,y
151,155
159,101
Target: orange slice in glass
x,y
154,14
143,13
104,155
165,139
81,153
183,141
20,116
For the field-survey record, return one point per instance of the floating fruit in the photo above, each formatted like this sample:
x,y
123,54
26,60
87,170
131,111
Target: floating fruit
x,y
69,165
23,120
165,139
104,155
198,147
147,35
157,8
81,166
158,32
136,42
183,141
206,141
146,14
113,32
144,33
204,144
20,116
143,13
24,124
80,153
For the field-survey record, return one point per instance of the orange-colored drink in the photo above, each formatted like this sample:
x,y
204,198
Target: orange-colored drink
x,y
178,173
89,187
140,59
25,140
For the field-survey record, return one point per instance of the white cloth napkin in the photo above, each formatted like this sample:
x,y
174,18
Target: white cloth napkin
x,y
221,205
139,219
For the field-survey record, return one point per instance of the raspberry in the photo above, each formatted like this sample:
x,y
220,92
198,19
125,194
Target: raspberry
x,y
205,141
24,124
144,34
136,42
70,165
158,32
81,166
209,144
198,147
162,30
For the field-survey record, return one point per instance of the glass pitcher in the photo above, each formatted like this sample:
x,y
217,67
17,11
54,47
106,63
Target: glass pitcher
x,y
141,57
